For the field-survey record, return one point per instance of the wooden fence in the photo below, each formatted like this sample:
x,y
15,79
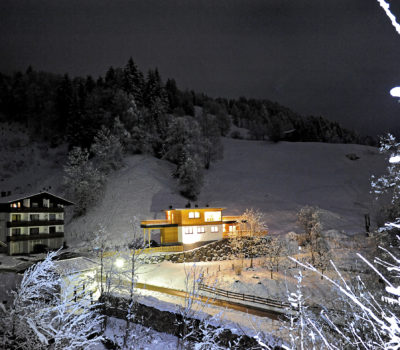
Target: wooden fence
x,y
164,249
244,297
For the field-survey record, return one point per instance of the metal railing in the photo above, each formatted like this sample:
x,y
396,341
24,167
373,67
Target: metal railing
x,y
244,297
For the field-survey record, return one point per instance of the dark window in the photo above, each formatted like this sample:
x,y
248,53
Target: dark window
x,y
52,229
52,216
15,231
34,217
34,231
34,204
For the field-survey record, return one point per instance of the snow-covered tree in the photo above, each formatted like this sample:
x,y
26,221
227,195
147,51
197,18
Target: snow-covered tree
x,y
107,150
83,180
186,312
212,148
273,251
369,321
309,218
390,182
50,312
249,236
190,178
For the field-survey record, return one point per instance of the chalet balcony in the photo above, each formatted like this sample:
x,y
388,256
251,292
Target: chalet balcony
x,y
20,238
36,210
34,223
156,224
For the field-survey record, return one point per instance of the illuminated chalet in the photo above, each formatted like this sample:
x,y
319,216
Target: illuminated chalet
x,y
191,226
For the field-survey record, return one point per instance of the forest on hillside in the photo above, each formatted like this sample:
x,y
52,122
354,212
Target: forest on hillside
x,y
129,112
62,109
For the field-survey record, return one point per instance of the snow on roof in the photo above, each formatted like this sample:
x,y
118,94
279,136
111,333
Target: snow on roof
x,y
16,197
74,265
195,208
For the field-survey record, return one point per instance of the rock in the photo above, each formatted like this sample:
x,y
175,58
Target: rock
x,y
352,156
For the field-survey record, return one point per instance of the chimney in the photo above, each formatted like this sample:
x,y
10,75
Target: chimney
x,y
196,205
8,193
207,205
3,193
170,207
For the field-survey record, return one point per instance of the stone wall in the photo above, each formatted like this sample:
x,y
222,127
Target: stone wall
x,y
169,322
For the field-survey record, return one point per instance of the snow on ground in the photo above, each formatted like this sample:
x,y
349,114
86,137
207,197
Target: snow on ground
x,y
277,179
144,338
253,281
281,178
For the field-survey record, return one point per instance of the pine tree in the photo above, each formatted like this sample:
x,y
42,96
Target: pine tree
x,y
134,82
83,180
190,178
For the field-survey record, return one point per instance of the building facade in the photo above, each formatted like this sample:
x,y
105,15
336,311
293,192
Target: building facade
x,y
32,222
191,226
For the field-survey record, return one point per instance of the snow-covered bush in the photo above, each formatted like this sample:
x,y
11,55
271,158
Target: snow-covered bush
x,y
50,312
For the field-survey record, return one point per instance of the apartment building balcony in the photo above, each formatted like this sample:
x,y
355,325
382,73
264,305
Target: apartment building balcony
x,y
36,210
22,223
20,238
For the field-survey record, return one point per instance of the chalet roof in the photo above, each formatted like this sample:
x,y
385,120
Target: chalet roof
x,y
19,197
195,208
74,265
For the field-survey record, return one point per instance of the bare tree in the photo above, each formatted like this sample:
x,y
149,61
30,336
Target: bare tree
x,y
309,218
251,225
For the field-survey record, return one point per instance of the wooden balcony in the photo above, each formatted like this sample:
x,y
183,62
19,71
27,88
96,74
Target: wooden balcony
x,y
37,236
32,223
156,224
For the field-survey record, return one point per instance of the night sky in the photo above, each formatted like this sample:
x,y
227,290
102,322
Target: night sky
x,y
336,58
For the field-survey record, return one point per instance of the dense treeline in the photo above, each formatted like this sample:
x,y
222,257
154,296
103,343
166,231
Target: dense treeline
x,y
149,116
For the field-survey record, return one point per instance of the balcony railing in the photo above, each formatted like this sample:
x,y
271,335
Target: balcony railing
x,y
22,223
35,236
36,210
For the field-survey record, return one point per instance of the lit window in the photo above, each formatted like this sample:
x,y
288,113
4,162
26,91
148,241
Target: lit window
x,y
194,214
16,217
212,216
214,228
188,230
200,229
232,229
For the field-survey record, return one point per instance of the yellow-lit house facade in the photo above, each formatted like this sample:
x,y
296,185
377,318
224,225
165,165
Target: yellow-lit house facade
x,y
190,226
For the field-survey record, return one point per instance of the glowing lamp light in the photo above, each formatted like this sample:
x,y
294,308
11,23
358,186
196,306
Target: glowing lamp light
x,y
394,159
395,92
119,263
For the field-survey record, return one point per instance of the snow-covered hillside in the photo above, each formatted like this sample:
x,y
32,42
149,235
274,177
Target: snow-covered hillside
x,y
277,178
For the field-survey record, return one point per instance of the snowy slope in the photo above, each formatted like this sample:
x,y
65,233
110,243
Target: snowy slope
x,y
278,179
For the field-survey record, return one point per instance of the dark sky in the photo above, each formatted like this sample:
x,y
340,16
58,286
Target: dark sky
x,y
337,58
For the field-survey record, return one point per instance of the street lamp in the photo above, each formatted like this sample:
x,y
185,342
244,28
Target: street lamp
x,y
119,263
